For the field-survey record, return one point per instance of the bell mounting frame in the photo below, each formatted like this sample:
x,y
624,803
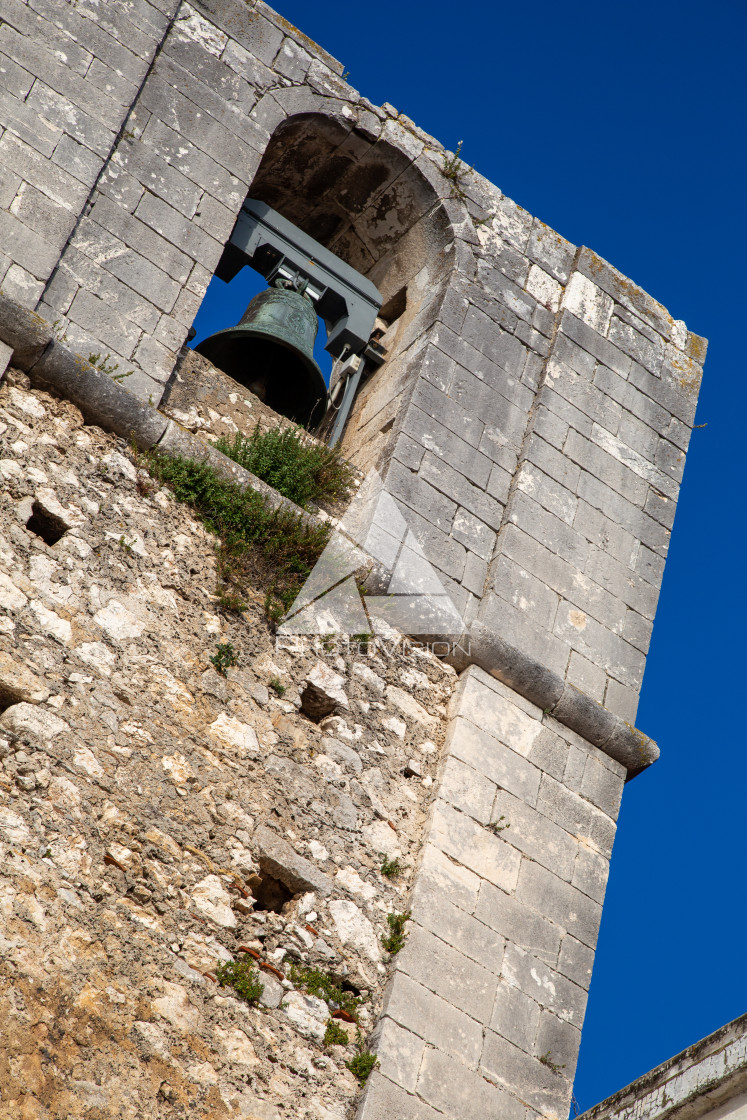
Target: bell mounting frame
x,y
347,301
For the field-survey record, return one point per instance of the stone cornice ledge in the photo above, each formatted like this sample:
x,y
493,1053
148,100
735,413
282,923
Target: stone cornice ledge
x,y
51,365
484,647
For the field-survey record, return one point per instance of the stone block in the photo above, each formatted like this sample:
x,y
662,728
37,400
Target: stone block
x,y
552,462
631,398
597,461
588,303
14,78
277,857
550,753
172,225
143,239
544,984
458,836
549,426
451,1088
99,41
67,117
520,924
532,1082
515,1016
24,122
568,351
200,168
6,353
588,339
80,271
446,445
436,404
477,537
422,497
444,478
448,973
474,575
621,700
613,505
467,790
602,786
433,1019
590,678
77,159
623,291
621,660
560,1041
487,336
514,584
516,628
552,251
576,961
27,247
481,750
180,114
551,495
471,937
559,902
439,877
590,873
221,79
535,836
399,1052
575,814
383,1100
104,325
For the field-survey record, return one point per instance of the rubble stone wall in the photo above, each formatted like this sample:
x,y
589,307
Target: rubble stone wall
x,y
142,793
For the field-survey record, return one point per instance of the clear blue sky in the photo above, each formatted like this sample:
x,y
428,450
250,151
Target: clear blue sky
x,y
623,127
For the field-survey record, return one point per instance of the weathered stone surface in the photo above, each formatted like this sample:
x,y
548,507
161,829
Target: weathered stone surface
x,y
324,693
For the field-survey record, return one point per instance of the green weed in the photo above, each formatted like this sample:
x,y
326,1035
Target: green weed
x,y
258,546
302,471
363,1063
395,939
390,868
335,1035
242,977
224,657
321,984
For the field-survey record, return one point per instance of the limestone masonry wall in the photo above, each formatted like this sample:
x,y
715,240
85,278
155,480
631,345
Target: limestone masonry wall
x,y
531,421
139,787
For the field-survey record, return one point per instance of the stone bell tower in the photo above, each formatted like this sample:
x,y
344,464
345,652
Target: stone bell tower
x,y
531,421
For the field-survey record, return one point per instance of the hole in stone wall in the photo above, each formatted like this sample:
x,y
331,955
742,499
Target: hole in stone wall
x,y
45,525
388,426
395,307
269,892
8,697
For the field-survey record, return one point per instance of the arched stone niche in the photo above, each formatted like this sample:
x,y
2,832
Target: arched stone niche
x,y
377,205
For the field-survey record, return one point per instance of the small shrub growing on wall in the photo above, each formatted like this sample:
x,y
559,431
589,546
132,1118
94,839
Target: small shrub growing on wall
x,y
258,546
302,471
243,978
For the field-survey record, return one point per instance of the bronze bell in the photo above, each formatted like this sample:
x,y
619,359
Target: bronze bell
x,y
271,353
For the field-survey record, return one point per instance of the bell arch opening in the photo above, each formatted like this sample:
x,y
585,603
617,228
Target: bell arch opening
x,y
368,202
